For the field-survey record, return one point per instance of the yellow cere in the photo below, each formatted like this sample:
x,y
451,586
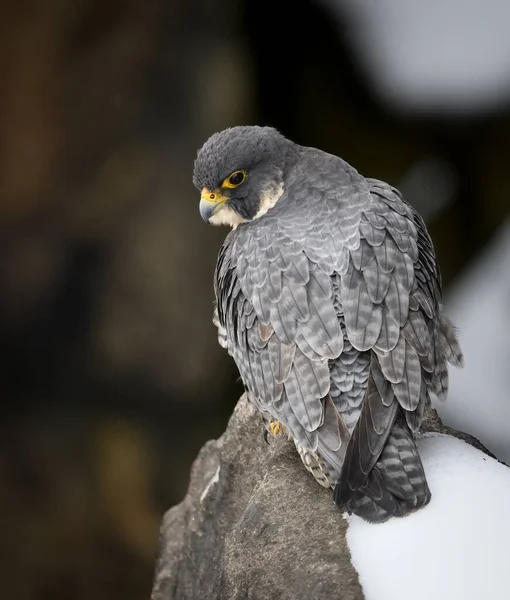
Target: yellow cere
x,y
212,196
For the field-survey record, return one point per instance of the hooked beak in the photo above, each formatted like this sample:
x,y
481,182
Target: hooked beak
x,y
210,203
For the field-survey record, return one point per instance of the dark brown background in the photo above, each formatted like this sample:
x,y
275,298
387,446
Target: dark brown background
x,y
111,377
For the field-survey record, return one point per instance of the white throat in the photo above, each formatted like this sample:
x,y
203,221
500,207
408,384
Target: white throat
x,y
227,216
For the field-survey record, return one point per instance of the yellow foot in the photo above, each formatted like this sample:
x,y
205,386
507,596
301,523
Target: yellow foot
x,y
275,427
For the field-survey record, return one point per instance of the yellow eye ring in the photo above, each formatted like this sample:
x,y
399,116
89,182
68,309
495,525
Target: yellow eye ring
x,y
234,179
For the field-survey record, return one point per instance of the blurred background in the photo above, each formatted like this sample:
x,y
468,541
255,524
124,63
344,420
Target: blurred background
x,y
111,377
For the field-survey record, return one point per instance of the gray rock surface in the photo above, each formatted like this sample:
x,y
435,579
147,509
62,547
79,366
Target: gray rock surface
x,y
255,525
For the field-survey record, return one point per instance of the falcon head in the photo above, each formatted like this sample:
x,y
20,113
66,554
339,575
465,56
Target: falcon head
x,y
240,173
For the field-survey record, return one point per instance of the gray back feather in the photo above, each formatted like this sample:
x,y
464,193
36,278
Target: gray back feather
x,y
331,297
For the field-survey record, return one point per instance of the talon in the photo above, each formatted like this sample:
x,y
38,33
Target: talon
x,y
275,427
265,436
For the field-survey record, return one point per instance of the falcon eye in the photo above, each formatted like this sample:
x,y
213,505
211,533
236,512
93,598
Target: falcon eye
x,y
235,179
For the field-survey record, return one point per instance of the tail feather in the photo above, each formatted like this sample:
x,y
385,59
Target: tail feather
x,y
396,485
440,382
369,436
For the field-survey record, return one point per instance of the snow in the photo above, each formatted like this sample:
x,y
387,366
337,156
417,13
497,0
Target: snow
x,y
436,55
456,548
479,305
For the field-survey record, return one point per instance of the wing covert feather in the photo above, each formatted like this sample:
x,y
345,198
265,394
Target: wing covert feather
x,y
357,263
403,283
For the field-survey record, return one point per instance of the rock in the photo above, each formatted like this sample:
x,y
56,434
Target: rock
x,y
433,424
254,523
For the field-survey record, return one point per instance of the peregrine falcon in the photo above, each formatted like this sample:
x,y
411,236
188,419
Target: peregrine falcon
x,y
328,299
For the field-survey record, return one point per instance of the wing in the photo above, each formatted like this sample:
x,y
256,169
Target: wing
x,y
354,260
390,297
275,300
